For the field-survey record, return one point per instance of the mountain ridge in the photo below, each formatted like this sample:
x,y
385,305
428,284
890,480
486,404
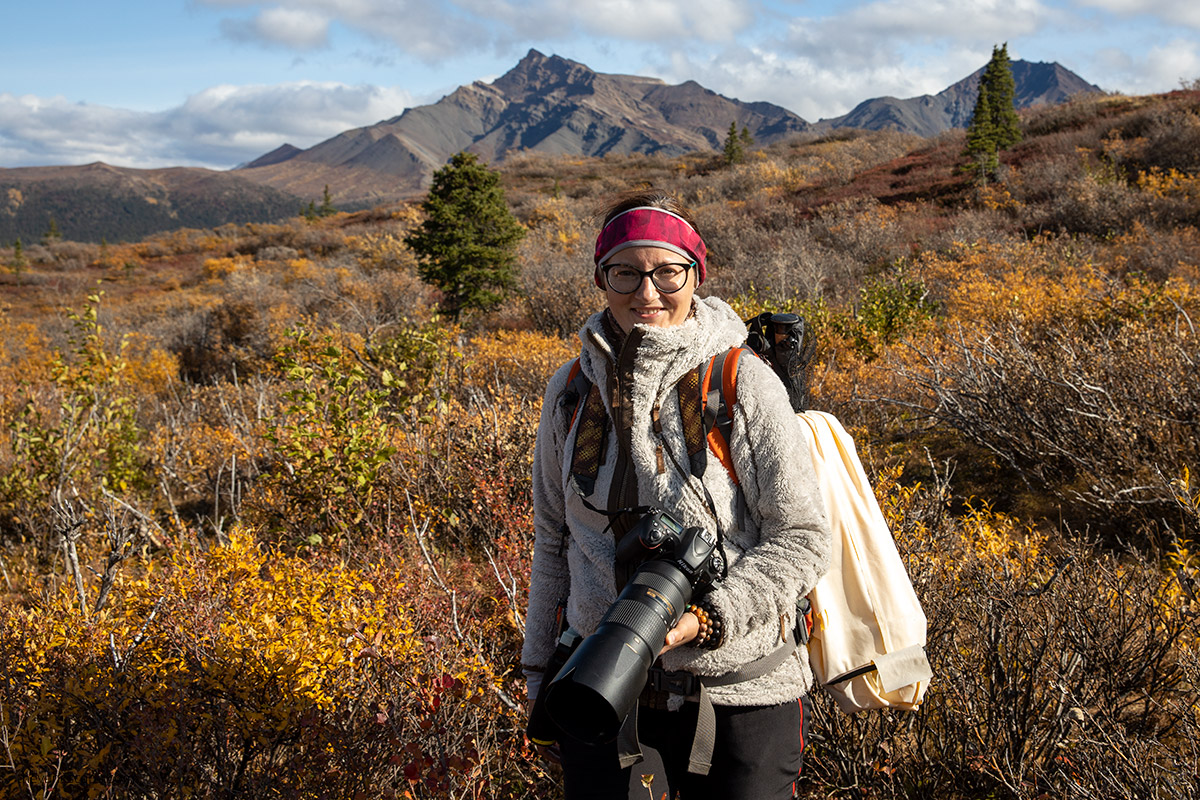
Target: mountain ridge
x,y
544,104
547,104
1037,83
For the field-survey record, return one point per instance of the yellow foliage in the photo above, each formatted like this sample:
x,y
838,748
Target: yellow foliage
x,y
997,197
217,269
523,359
983,283
301,270
149,369
376,251
239,641
556,225
1171,183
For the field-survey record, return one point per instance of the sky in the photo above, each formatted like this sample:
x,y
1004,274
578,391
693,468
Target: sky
x,y
215,83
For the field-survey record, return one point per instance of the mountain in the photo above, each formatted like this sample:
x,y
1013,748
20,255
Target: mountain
x,y
98,201
545,104
1037,83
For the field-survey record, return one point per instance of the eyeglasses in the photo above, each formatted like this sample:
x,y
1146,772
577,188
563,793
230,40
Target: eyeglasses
x,y
667,278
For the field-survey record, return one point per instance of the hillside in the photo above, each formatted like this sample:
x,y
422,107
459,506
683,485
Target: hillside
x,y
1037,84
98,201
255,489
545,104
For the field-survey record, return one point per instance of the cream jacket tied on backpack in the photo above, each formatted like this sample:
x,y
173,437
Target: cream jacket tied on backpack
x,y
865,611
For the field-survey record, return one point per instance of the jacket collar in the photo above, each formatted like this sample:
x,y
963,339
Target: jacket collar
x,y
664,354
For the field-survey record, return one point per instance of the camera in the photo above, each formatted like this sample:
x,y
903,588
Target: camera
x,y
785,342
597,687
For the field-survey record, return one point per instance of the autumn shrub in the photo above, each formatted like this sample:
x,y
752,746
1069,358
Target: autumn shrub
x,y
1058,670
467,467
330,442
1080,385
72,255
1158,254
245,672
556,284
76,437
520,362
1096,204
762,246
216,342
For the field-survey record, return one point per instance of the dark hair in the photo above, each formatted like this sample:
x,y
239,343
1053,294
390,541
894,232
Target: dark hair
x,y
654,198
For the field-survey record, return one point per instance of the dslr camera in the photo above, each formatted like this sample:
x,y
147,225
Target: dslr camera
x,y
599,683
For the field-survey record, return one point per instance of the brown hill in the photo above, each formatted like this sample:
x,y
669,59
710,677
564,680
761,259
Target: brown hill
x,y
545,104
97,201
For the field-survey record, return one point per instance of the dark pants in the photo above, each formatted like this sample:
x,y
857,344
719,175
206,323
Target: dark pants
x,y
758,755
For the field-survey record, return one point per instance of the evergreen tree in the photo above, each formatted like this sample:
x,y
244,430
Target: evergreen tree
x,y
746,138
467,244
994,122
326,209
981,139
52,234
733,145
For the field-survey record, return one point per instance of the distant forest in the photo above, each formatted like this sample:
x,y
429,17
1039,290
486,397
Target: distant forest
x,y
126,213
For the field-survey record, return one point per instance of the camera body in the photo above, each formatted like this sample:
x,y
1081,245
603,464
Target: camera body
x,y
599,684
659,536
785,342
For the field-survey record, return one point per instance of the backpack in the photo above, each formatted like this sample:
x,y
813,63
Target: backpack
x,y
863,623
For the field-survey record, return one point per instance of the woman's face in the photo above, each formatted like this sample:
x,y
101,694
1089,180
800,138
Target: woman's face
x,y
647,305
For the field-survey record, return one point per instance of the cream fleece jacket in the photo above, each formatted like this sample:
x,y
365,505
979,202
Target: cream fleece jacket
x,y
775,560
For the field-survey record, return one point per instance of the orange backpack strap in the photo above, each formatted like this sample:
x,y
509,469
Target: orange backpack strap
x,y
719,390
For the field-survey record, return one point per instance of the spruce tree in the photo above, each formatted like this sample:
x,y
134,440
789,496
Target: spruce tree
x,y
52,233
18,260
998,77
467,244
733,145
981,139
994,122
746,137
326,209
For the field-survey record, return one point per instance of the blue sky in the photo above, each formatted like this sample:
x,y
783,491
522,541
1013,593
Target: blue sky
x,y
214,83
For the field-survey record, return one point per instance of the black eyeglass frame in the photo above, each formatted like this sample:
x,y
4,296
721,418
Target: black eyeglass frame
x,y
643,274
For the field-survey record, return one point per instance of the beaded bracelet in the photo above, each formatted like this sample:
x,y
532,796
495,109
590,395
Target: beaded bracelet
x,y
712,633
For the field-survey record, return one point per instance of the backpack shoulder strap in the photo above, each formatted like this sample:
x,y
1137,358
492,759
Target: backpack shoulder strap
x,y
719,390
592,432
575,391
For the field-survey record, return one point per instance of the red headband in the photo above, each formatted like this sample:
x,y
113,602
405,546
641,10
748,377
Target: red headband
x,y
646,226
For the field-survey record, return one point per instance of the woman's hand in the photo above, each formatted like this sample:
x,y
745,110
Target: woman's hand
x,y
687,630
548,752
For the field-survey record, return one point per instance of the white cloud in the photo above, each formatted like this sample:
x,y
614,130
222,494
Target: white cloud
x,y
437,31
218,127
1181,12
664,21
296,29
816,87
429,30
1166,65
880,33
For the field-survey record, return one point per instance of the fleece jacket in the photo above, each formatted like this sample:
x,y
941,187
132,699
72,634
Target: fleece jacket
x,y
775,559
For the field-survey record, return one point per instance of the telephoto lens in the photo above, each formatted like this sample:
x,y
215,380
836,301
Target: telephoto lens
x,y
598,686
600,683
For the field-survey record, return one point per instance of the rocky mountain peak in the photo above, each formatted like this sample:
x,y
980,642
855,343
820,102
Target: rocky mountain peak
x,y
540,74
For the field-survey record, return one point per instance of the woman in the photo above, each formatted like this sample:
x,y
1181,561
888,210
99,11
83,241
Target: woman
x,y
636,353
